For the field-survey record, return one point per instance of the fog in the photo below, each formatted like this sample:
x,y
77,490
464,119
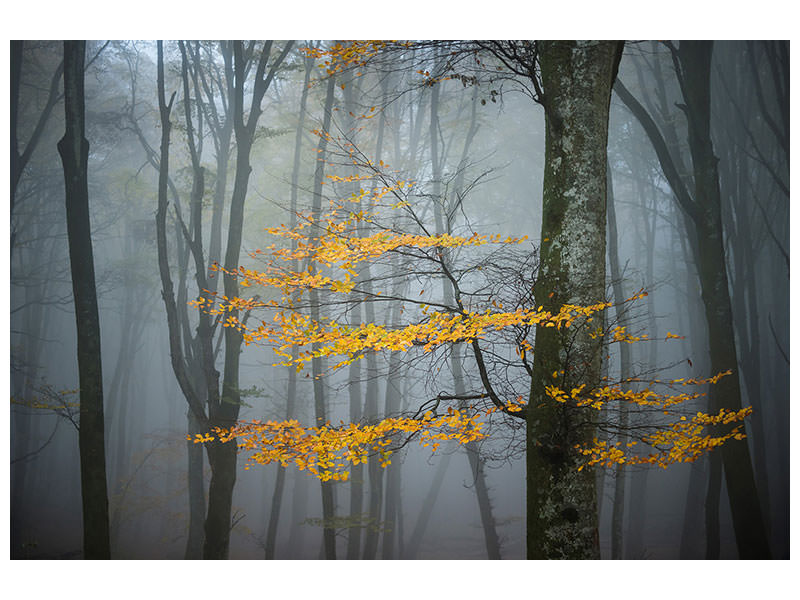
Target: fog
x,y
481,156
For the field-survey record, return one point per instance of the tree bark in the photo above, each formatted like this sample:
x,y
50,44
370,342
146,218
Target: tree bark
x,y
74,151
561,500
225,412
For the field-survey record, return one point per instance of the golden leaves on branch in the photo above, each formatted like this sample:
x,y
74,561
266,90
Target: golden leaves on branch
x,y
348,54
333,245
327,452
291,329
683,440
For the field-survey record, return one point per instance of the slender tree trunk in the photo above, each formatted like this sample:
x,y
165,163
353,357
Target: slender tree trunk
x,y
490,537
693,61
184,374
36,321
713,493
356,471
74,151
291,387
694,536
320,409
618,511
747,517
424,515
692,531
444,220
371,411
20,159
392,500
561,500
743,247
274,513
225,412
224,133
197,495
297,531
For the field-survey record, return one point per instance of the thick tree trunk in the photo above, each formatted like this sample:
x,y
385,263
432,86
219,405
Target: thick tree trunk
x,y
74,151
561,500
222,459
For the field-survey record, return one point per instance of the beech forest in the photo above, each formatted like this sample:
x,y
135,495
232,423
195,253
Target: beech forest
x,y
399,299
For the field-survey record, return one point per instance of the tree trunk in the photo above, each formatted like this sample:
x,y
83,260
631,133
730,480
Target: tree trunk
x,y
424,515
561,500
225,412
695,58
224,133
222,459
691,547
291,386
490,537
274,513
618,511
74,151
197,494
371,410
356,478
320,409
36,321
392,408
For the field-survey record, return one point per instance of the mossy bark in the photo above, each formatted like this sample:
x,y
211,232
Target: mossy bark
x,y
561,499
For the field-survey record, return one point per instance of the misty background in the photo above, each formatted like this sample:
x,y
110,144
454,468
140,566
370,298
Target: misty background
x,y
489,137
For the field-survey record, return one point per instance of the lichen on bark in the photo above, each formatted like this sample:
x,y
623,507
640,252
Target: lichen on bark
x,y
576,81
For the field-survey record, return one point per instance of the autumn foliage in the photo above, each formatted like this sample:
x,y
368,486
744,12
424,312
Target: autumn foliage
x,y
332,246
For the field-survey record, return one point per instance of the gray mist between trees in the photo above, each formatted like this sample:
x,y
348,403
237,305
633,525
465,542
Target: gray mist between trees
x,y
661,166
